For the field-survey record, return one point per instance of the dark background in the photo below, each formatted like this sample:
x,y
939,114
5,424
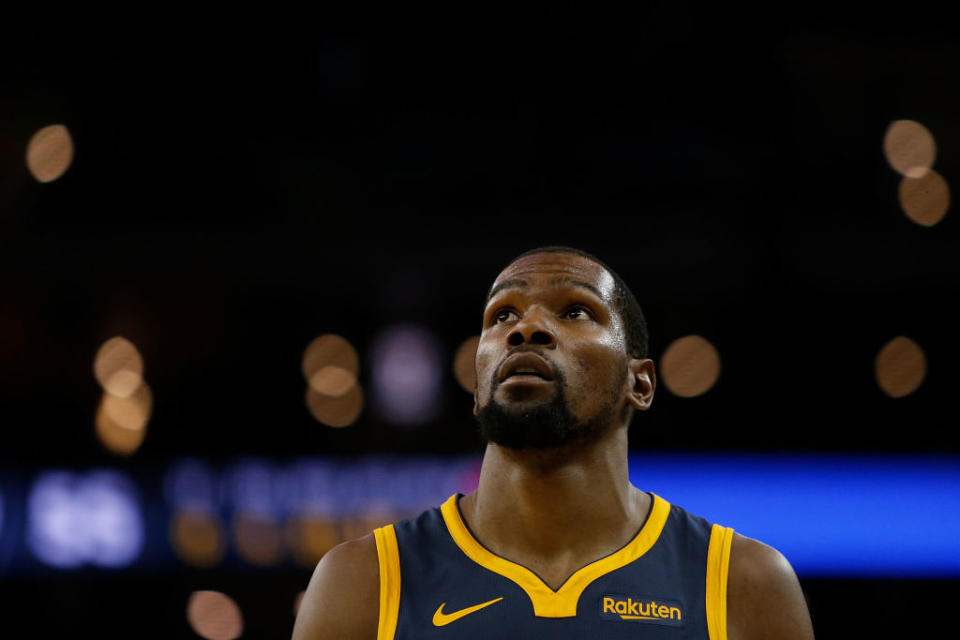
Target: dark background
x,y
241,186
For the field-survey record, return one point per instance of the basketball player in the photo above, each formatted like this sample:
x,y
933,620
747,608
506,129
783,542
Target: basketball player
x,y
555,542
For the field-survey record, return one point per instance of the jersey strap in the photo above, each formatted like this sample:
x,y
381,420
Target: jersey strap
x,y
561,603
718,566
389,559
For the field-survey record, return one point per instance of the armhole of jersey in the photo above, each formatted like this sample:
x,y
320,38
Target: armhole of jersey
x,y
389,558
718,566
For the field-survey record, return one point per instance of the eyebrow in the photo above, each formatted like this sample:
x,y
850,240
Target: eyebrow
x,y
523,284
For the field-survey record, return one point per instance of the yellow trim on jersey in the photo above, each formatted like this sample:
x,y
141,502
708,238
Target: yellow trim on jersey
x,y
389,557
718,566
562,603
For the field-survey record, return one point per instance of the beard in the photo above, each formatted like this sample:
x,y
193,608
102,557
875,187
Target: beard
x,y
548,425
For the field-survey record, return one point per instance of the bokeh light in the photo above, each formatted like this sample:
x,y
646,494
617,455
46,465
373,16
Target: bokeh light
x,y
910,148
115,437
94,518
690,366
406,372
900,367
332,381
214,615
925,200
49,153
335,411
310,537
197,538
118,367
258,539
464,363
131,412
329,350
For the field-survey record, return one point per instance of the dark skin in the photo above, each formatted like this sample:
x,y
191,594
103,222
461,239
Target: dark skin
x,y
556,510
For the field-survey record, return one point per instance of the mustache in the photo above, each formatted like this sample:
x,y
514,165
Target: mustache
x,y
557,376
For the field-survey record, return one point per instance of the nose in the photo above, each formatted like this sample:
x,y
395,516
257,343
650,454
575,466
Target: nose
x,y
533,329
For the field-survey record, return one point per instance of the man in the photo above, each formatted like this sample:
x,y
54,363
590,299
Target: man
x,y
555,541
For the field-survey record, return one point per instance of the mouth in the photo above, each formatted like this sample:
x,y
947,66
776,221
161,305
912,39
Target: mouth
x,y
525,367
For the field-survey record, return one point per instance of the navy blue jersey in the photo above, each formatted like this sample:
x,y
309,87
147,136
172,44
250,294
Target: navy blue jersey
x,y
438,581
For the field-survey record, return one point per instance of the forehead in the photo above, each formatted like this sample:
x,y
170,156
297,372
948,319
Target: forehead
x,y
561,269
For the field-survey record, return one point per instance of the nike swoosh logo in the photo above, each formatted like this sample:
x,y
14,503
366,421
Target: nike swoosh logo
x,y
440,618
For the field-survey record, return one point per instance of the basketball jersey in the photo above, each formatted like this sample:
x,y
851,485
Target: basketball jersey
x,y
438,581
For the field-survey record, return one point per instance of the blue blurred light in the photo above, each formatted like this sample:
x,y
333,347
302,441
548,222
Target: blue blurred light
x,y
830,515
75,519
191,484
407,375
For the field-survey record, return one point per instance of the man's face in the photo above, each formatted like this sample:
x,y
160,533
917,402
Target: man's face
x,y
551,362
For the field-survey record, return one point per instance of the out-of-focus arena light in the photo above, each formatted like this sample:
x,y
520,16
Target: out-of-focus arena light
x,y
49,153
335,411
690,366
407,374
214,615
257,539
332,381
361,524
197,538
118,367
310,537
121,423
330,362
900,367
74,520
925,200
464,366
909,147
192,485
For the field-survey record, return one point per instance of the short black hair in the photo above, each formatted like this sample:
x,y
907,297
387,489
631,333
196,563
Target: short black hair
x,y
634,323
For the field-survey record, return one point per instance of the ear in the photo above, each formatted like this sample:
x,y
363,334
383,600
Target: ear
x,y
643,380
476,405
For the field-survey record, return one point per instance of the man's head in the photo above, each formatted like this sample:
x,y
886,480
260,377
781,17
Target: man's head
x,y
562,354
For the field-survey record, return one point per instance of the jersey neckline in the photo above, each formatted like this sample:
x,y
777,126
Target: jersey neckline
x,y
561,603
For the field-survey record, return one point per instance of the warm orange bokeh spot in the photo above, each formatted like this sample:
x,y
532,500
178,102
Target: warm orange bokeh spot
x,y
49,153
690,366
900,367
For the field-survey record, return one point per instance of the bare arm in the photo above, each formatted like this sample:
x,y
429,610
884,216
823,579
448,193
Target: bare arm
x,y
764,598
342,601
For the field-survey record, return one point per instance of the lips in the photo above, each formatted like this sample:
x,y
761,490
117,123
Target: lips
x,y
525,363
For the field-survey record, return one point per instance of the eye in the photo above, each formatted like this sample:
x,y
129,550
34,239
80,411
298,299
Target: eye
x,y
577,312
504,315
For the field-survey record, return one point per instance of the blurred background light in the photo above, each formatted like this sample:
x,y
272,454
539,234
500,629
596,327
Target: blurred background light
x,y
909,147
197,538
191,484
121,423
900,367
118,367
214,615
49,153
406,372
690,366
334,353
310,537
464,363
332,381
84,519
926,199
335,411
257,539
829,514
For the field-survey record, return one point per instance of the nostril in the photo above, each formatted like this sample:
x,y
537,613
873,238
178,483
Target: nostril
x,y
515,339
540,337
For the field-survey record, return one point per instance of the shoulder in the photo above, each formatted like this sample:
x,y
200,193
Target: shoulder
x,y
343,598
764,598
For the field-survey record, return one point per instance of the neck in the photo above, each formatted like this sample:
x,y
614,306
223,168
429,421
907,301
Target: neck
x,y
556,510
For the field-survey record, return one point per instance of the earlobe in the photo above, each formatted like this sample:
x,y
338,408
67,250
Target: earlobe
x,y
644,380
